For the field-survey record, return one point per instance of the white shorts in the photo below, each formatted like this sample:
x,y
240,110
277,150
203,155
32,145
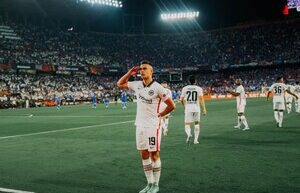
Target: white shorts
x,y
289,99
191,117
148,138
241,108
278,105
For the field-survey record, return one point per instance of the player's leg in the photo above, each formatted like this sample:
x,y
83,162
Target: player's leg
x,y
162,124
188,119
238,126
197,128
243,118
156,165
276,112
142,146
154,139
280,114
166,124
289,107
297,105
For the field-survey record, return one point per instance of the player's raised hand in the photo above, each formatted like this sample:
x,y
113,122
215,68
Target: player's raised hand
x,y
134,70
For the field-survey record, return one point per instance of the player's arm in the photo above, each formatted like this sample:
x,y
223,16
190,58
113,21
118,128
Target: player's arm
x,y
233,93
170,107
202,104
292,94
268,95
122,83
182,102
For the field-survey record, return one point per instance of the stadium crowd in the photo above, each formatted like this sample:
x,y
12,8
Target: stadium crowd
x,y
273,43
45,87
268,44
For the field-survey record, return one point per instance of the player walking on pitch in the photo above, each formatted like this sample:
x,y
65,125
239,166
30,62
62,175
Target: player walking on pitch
x,y
165,119
279,88
191,97
289,98
240,95
297,101
149,95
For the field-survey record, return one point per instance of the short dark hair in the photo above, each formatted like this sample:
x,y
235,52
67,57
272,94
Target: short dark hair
x,y
145,62
297,82
164,82
192,79
279,78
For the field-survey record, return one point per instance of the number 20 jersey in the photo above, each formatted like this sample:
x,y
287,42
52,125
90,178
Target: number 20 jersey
x,y
278,89
190,94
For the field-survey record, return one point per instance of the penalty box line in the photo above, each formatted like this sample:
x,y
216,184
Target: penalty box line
x,y
13,191
63,130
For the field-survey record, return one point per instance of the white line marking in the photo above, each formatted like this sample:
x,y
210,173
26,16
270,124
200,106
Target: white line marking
x,y
63,130
13,191
67,116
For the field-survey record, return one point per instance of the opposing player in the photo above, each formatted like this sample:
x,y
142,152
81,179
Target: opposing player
x,y
289,98
240,95
94,101
174,95
149,95
165,119
279,88
124,100
57,100
106,101
191,97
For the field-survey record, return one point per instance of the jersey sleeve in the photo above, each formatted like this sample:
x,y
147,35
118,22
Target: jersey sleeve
x,y
239,89
162,93
132,85
271,87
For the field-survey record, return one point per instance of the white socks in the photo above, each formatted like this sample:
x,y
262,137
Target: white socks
x,y
188,130
276,115
280,118
148,169
156,171
197,132
244,121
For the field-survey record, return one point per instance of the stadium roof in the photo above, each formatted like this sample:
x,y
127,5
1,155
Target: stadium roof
x,y
213,13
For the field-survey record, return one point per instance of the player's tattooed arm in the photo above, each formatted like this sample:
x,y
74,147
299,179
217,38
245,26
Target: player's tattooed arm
x,y
122,83
292,94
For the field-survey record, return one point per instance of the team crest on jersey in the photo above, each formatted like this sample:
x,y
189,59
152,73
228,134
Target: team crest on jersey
x,y
151,92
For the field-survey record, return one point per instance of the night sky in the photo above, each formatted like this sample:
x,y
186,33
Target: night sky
x,y
214,14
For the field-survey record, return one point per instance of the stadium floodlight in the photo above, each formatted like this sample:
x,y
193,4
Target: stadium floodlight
x,y
179,15
111,3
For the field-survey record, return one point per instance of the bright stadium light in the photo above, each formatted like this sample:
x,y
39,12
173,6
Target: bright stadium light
x,y
179,16
111,3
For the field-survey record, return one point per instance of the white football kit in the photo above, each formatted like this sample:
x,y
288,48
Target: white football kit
x,y
241,99
190,94
297,102
278,99
148,132
163,106
289,97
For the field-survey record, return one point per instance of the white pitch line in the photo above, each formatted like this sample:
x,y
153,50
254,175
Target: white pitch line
x,y
67,116
63,130
13,191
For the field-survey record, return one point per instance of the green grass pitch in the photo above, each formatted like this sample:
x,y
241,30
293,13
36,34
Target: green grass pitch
x,y
98,153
